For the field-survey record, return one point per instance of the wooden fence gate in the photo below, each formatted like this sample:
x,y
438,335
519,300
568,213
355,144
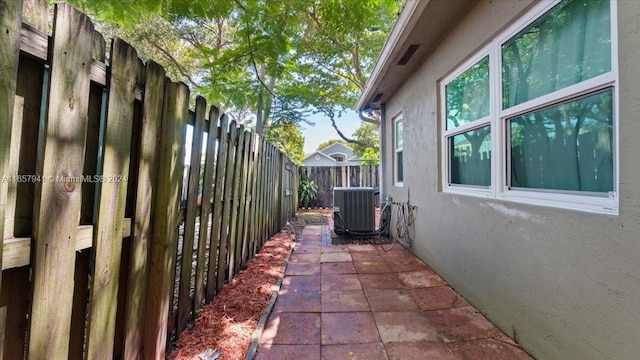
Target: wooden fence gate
x,y
328,177
99,258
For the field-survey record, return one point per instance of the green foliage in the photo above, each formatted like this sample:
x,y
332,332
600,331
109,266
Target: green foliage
x,y
307,191
286,136
328,143
260,61
367,147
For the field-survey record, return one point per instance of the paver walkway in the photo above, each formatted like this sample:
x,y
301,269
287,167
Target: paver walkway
x,y
361,302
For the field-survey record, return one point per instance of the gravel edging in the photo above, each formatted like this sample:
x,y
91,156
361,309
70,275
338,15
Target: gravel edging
x,y
255,338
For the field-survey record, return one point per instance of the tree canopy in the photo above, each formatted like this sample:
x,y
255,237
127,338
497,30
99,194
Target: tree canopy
x,y
308,54
261,61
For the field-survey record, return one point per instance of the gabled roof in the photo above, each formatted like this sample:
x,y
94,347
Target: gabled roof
x,y
418,30
318,153
337,148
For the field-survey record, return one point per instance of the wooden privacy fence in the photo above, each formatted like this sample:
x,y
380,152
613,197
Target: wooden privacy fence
x,y
328,177
98,259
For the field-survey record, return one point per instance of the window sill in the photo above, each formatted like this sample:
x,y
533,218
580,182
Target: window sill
x,y
589,204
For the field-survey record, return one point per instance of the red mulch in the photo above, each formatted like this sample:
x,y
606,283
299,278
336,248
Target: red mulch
x,y
229,321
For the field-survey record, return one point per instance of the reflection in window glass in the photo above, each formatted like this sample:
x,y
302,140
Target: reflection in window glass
x,y
568,45
470,157
467,96
399,135
565,147
399,168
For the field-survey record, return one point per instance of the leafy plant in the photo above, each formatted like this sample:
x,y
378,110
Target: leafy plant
x,y
307,191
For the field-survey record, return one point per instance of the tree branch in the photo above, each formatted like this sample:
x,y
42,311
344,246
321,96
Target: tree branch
x,y
170,57
350,141
253,60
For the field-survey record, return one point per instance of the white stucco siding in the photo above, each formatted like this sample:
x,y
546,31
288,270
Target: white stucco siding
x,y
565,283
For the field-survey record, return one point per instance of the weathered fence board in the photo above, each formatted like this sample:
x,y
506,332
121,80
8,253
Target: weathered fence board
x,y
205,212
88,266
107,243
233,216
255,194
58,202
10,23
166,209
246,201
226,208
190,222
216,219
144,208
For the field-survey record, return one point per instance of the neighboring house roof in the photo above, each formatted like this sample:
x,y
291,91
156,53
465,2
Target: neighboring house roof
x,y
338,148
319,153
416,33
324,156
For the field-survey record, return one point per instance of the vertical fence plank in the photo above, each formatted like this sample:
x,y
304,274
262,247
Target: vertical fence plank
x,y
226,207
58,202
184,306
257,236
255,194
269,201
144,207
221,161
107,235
273,200
165,225
242,199
235,208
207,185
36,14
246,219
10,24
267,196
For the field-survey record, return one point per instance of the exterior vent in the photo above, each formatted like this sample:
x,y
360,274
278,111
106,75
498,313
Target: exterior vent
x,y
353,210
408,54
377,97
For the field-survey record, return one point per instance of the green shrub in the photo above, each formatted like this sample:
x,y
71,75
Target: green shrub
x,y
307,191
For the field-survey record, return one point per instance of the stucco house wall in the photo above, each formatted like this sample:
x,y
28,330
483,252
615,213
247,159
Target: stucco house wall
x,y
565,284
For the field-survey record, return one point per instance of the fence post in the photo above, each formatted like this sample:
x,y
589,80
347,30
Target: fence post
x,y
165,225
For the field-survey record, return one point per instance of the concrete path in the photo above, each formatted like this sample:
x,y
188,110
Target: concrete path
x,y
362,302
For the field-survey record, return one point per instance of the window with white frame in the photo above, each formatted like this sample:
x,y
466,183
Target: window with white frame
x,y
398,146
542,96
467,126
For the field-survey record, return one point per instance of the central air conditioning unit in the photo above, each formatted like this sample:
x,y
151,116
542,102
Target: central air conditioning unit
x,y
354,210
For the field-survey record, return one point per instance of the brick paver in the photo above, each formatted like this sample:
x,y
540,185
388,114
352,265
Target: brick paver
x,y
362,302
